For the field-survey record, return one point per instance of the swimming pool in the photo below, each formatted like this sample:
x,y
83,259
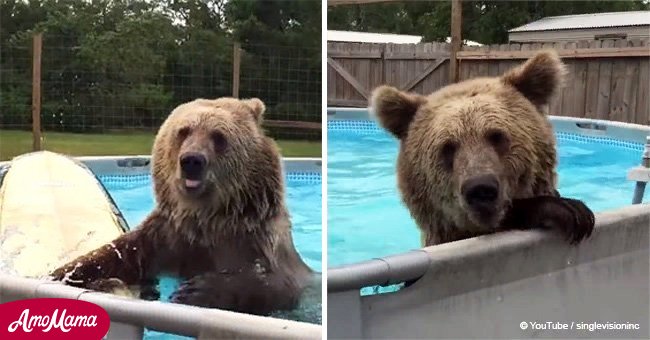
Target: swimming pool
x,y
133,195
367,219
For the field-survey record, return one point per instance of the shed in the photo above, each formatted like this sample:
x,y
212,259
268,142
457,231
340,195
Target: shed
x,y
595,26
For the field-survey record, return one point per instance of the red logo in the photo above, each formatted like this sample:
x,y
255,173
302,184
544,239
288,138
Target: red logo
x,y
52,319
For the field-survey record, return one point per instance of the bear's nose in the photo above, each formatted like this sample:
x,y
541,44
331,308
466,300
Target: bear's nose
x,y
480,190
192,165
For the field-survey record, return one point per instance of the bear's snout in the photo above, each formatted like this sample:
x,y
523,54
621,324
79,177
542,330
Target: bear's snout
x,y
193,165
481,193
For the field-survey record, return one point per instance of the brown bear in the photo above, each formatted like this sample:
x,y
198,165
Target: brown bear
x,y
479,156
220,220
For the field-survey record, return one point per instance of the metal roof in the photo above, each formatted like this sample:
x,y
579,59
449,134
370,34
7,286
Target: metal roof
x,y
593,20
381,38
348,36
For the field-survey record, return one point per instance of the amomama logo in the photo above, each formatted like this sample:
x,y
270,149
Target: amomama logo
x,y
52,319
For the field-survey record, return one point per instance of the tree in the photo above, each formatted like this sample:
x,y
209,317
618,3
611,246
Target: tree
x,y
487,22
282,41
124,64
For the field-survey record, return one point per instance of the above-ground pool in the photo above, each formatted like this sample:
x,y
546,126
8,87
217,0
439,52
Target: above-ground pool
x,y
133,195
367,219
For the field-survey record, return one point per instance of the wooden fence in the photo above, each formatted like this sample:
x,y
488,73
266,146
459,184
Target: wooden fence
x,y
606,79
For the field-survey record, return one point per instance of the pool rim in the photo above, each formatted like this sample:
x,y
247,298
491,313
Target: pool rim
x,y
139,164
413,264
628,132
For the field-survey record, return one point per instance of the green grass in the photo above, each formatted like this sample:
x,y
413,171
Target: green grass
x,y
13,143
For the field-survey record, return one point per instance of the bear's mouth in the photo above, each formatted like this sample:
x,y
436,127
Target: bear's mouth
x,y
192,186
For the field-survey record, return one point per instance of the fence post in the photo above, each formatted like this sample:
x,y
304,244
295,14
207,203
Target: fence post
x,y
36,91
456,27
236,62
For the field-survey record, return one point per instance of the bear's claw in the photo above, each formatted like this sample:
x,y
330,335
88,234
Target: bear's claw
x,y
568,216
243,292
198,291
583,219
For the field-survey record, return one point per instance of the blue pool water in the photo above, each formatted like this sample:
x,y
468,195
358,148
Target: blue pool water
x,y
367,219
134,197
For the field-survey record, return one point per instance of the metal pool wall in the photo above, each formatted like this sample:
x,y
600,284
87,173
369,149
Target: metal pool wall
x,y
129,317
485,287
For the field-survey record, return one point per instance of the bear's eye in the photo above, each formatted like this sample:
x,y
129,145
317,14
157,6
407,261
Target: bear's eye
x,y
447,153
183,132
498,139
219,141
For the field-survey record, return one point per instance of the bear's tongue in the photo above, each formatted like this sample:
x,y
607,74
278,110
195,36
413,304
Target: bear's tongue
x,y
192,183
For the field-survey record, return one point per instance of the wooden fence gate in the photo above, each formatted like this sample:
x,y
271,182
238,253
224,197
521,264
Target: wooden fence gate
x,y
606,79
353,70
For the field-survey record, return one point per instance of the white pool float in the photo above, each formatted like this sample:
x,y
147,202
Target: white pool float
x,y
52,210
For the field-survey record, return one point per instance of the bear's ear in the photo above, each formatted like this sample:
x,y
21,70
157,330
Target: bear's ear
x,y
539,78
395,109
257,106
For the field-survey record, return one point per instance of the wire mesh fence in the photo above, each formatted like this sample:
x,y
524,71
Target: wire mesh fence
x,y
132,89
288,79
15,84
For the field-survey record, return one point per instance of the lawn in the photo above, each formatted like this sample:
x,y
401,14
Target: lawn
x,y
13,143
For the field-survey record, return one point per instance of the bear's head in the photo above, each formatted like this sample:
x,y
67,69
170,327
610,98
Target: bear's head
x,y
469,148
213,153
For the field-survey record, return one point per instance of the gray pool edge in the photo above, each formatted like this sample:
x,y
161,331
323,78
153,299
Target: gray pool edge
x,y
414,264
469,268
129,317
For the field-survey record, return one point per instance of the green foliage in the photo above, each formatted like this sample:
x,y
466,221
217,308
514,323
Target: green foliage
x,y
487,22
124,64
15,107
269,31
294,23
